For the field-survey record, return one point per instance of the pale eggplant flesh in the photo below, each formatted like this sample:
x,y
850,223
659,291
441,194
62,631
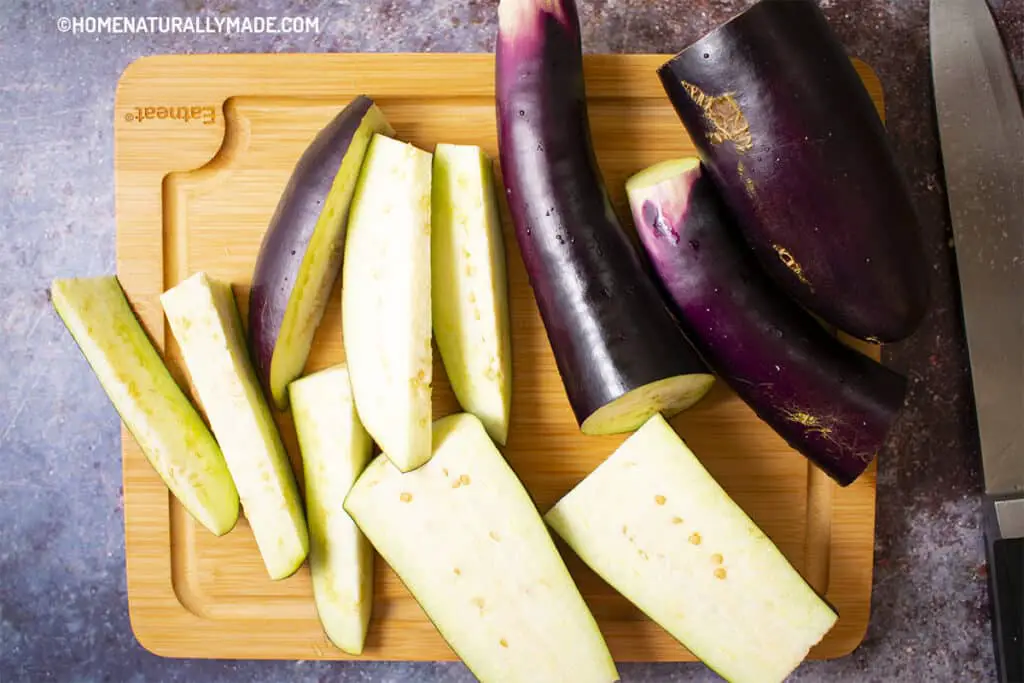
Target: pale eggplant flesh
x,y
469,285
386,300
335,449
168,428
465,537
203,316
654,524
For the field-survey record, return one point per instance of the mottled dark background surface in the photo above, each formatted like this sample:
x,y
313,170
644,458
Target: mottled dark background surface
x,y
63,610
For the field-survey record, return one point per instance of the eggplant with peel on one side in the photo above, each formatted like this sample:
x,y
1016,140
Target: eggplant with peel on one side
x,y
203,315
302,249
167,427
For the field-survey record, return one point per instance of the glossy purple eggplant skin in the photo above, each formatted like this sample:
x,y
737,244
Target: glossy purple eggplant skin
x,y
797,149
829,402
290,230
609,328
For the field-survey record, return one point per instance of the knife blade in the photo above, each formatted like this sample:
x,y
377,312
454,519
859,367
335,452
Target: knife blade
x,y
981,134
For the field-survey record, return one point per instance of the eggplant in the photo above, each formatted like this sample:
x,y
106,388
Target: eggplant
x,y
165,424
620,355
796,148
335,450
469,285
204,318
827,400
464,536
302,249
385,300
653,523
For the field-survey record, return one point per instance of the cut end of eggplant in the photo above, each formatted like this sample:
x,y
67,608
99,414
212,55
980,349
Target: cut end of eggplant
x,y
302,250
669,170
667,397
659,197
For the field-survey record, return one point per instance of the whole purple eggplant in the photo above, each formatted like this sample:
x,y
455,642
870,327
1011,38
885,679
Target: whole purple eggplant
x,y
620,354
828,401
798,151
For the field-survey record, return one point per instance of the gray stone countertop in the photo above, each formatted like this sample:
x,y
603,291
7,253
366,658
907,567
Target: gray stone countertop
x,y
63,607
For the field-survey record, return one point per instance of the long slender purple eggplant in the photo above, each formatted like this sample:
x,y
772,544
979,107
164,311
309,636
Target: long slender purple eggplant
x,y
831,403
621,356
798,151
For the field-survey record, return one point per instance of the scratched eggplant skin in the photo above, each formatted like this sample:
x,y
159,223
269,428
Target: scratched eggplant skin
x,y
829,402
795,145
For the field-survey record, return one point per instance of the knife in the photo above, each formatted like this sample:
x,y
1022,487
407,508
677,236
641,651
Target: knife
x,y
981,133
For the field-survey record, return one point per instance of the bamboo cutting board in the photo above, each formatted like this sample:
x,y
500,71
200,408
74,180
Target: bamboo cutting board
x,y
204,146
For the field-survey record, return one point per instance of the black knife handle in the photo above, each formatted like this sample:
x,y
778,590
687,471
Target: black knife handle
x,y
1006,588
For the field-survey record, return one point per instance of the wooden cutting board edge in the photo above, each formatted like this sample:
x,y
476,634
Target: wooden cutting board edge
x,y
143,160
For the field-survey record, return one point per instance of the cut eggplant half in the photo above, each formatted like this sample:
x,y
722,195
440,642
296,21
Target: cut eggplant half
x,y
621,356
828,401
464,536
302,248
385,300
470,285
659,529
335,450
204,318
796,147
167,427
